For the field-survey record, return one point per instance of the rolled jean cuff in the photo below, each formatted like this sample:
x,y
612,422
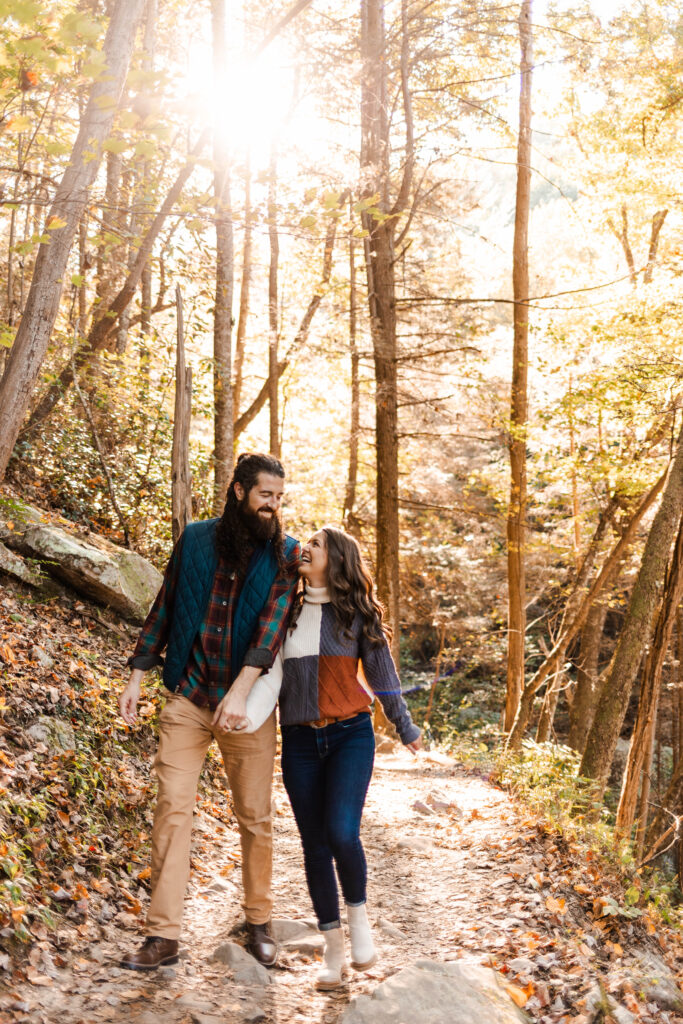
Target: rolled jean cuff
x,y
360,904
329,926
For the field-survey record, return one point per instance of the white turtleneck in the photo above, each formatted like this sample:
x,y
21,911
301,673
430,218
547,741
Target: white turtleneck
x,y
316,595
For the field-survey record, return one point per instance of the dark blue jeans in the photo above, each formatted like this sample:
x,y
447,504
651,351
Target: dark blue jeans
x,y
326,773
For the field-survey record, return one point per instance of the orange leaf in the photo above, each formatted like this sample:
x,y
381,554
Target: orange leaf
x,y
556,906
145,873
517,994
64,817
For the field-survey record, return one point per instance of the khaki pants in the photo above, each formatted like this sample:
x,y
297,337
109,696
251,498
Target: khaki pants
x,y
185,735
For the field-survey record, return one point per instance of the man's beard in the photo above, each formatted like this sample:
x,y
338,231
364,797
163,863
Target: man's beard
x,y
260,527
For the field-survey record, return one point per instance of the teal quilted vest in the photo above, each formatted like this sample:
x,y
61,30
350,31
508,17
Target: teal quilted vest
x,y
198,563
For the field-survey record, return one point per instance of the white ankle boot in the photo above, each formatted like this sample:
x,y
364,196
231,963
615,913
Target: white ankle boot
x,y
363,954
331,974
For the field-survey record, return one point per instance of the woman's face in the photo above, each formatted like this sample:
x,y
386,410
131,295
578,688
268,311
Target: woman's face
x,y
313,565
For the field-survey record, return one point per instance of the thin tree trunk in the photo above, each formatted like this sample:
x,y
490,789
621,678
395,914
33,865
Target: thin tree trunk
x,y
30,345
301,336
149,45
657,224
103,328
240,340
574,619
636,632
516,519
273,321
586,692
644,798
181,478
222,319
640,751
380,272
623,238
350,521
437,672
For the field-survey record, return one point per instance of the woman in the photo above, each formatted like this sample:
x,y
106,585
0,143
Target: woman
x,y
328,742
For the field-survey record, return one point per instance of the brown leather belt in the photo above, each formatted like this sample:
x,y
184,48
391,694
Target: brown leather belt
x,y
320,723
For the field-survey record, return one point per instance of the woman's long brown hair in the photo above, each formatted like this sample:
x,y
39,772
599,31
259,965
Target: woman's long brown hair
x,y
351,589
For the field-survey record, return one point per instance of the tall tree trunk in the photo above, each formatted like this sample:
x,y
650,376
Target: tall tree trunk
x,y
640,751
350,520
241,338
222,317
380,272
637,628
587,692
516,519
181,477
273,320
42,305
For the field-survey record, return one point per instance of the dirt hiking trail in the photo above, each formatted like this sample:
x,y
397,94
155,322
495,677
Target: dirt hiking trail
x,y
457,871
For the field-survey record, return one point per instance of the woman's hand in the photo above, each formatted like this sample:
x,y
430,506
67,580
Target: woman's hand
x,y
128,698
415,745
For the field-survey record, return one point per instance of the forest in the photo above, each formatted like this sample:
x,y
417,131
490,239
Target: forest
x,y
428,253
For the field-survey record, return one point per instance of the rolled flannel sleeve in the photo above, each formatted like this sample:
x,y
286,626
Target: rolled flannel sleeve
x,y
272,624
154,633
381,674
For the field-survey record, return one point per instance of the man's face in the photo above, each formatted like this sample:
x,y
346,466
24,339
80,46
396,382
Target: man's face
x,y
260,507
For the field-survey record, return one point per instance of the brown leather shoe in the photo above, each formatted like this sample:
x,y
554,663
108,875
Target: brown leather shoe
x,y
154,952
261,944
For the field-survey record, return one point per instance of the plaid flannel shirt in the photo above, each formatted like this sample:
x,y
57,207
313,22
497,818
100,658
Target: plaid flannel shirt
x,y
207,676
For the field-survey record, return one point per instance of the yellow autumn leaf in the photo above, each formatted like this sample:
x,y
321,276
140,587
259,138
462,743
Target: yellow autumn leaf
x,y
55,222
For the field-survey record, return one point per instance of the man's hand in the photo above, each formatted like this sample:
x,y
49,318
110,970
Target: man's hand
x,y
231,713
128,698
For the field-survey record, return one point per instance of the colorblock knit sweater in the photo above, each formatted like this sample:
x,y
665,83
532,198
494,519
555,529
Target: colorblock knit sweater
x,y
321,665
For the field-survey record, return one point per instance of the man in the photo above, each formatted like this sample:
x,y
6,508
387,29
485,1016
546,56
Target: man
x,y
221,614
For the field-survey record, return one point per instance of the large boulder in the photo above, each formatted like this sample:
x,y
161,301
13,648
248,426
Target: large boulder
x,y
91,565
431,991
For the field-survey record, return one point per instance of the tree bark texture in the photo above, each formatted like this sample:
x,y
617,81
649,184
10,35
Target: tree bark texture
x,y
587,691
637,628
516,518
225,266
640,751
42,305
181,477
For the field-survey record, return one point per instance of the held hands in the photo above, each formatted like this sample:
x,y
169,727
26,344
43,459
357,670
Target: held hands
x,y
129,697
231,713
